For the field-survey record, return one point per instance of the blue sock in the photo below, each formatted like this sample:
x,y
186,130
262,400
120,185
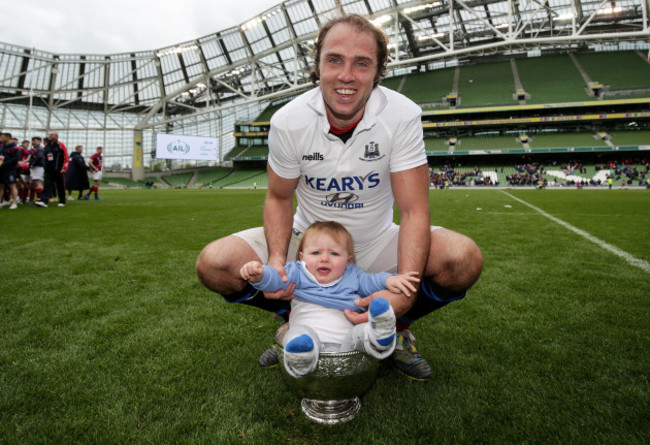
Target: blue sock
x,y
302,343
378,306
382,321
300,356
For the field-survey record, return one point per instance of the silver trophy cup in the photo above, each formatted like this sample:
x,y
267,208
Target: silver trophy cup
x,y
330,394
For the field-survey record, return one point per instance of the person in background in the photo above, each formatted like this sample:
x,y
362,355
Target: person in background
x,y
9,157
55,165
96,161
36,162
76,178
25,177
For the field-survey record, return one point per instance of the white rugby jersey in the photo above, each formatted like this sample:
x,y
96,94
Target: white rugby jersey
x,y
346,182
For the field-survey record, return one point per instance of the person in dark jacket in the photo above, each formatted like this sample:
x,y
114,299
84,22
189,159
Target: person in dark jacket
x,y
77,176
9,156
55,165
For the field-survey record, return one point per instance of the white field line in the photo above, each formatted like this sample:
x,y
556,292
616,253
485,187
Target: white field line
x,y
641,264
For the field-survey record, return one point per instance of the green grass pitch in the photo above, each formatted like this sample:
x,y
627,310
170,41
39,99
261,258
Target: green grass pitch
x,y
106,336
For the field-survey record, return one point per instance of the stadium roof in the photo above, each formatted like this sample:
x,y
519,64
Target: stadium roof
x,y
268,56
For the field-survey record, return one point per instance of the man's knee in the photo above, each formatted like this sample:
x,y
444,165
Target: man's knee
x,y
455,260
206,263
218,264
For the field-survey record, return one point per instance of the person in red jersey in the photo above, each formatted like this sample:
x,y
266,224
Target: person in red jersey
x,y
96,169
23,169
36,170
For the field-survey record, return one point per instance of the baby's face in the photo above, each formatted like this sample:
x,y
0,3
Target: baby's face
x,y
325,257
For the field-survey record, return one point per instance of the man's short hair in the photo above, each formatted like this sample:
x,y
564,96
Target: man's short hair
x,y
37,138
6,134
361,24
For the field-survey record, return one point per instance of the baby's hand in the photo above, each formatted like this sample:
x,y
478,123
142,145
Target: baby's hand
x,y
252,271
403,283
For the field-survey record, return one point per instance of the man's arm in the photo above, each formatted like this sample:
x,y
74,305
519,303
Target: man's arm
x,y
411,192
278,219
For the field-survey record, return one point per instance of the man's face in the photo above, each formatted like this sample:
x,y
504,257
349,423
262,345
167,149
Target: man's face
x,y
25,144
52,136
35,142
99,151
347,71
3,139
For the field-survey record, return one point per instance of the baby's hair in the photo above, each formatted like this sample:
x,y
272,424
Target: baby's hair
x,y
333,229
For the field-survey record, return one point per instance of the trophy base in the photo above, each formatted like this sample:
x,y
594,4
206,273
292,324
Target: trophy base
x,y
330,412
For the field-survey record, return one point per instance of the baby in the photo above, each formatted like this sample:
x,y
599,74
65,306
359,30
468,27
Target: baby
x,y
327,282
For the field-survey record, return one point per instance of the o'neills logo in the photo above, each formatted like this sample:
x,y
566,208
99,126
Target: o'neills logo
x,y
316,156
178,146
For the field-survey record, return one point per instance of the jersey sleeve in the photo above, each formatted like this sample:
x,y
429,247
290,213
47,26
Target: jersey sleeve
x,y
271,280
282,155
409,151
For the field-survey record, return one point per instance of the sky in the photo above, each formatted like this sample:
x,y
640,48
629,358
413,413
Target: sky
x,y
118,26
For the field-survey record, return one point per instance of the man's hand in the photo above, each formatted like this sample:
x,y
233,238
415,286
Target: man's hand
x,y
399,302
282,294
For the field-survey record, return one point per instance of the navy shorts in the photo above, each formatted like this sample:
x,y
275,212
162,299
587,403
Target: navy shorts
x,y
8,175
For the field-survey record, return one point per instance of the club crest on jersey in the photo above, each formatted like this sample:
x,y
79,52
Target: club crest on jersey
x,y
371,152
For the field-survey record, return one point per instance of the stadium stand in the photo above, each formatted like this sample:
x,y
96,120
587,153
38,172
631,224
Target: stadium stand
x,y
153,180
634,138
394,83
552,79
623,73
571,140
486,84
210,176
244,178
428,89
271,109
123,182
488,143
178,180
255,152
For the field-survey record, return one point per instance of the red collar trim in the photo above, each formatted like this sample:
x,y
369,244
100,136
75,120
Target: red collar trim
x,y
335,130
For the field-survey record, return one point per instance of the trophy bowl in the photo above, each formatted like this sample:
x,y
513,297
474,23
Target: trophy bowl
x,y
330,394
